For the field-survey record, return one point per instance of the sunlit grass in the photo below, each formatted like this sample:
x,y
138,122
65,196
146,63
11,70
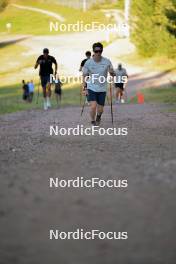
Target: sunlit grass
x,y
160,63
164,95
29,22
160,95
11,98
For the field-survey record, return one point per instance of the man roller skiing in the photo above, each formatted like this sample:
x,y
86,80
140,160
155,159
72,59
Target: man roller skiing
x,y
122,77
95,73
46,61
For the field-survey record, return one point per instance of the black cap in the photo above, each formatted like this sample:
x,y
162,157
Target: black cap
x,y
46,50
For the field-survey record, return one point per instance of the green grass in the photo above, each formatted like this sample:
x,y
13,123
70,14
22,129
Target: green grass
x,y
160,95
15,64
29,22
11,98
160,63
119,4
164,95
19,61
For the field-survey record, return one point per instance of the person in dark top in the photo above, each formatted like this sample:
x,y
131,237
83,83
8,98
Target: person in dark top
x,y
88,56
46,61
25,90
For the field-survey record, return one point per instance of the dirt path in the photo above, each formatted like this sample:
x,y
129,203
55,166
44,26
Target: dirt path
x,y
146,210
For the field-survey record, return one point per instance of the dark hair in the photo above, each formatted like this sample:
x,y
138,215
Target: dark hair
x,y
23,81
46,50
88,53
97,45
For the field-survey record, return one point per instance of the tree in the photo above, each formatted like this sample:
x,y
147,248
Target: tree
x,y
3,4
154,26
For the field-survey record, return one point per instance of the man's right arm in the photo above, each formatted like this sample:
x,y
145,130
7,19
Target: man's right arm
x,y
37,63
85,75
81,65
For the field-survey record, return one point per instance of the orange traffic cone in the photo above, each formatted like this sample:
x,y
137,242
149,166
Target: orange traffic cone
x,y
140,98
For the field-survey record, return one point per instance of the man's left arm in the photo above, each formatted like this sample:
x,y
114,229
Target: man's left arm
x,y
111,69
56,65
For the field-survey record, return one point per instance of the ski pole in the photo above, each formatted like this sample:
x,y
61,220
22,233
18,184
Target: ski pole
x,y
80,98
38,92
112,117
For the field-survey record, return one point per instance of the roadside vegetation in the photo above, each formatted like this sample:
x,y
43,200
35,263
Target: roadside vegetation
x,y
154,27
160,94
11,98
155,63
34,23
3,4
108,4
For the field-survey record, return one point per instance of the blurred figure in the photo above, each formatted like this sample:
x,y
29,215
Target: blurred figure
x,y
88,56
45,62
31,90
120,81
25,91
58,92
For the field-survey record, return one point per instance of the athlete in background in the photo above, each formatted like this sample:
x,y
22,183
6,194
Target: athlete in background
x,y
46,61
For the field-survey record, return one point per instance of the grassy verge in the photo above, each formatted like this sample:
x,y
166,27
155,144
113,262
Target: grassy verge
x,y
13,59
11,98
165,95
157,63
16,64
160,95
29,22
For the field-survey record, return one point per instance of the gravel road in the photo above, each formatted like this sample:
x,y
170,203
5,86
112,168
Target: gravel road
x,y
146,157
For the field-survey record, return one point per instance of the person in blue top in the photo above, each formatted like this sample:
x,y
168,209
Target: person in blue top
x,y
31,90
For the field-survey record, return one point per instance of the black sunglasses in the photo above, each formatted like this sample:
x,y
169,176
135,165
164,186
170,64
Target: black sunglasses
x,y
98,51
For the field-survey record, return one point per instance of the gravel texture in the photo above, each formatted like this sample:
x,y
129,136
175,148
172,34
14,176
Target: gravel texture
x,y
146,157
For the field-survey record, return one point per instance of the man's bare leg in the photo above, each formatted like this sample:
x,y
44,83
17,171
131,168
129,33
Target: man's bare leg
x,y
93,109
117,94
99,113
100,109
58,100
44,97
48,94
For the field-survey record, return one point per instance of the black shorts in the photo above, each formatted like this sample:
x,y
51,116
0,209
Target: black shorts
x,y
119,85
98,97
25,96
58,91
45,80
